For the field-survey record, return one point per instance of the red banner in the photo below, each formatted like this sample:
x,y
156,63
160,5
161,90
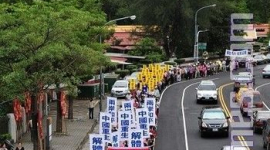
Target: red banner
x,y
40,125
17,109
128,148
63,103
27,97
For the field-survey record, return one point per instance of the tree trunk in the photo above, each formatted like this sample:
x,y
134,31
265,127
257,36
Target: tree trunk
x,y
70,107
34,131
59,122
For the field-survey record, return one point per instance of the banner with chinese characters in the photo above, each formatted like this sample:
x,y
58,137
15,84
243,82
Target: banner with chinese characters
x,y
105,127
127,148
143,121
135,138
112,109
124,122
115,139
236,53
150,104
128,106
96,142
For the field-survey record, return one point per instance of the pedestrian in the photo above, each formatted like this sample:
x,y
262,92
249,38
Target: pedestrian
x,y
3,146
19,147
178,77
91,109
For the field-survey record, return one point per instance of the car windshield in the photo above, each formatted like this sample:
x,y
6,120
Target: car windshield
x,y
264,114
120,84
256,98
207,87
258,57
214,115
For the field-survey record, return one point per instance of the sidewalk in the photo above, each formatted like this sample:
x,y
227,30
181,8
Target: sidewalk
x,y
77,129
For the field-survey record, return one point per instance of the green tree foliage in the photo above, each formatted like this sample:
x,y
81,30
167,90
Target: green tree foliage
x,y
175,19
149,48
48,42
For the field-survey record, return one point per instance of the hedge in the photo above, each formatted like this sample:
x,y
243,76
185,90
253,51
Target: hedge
x,y
145,61
169,63
131,67
179,61
122,73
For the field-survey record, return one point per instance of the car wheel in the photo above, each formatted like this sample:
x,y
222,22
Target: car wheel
x,y
198,101
215,102
254,130
263,76
202,134
226,134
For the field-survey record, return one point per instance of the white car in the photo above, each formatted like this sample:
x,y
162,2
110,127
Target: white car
x,y
268,57
234,148
266,71
207,91
260,59
120,88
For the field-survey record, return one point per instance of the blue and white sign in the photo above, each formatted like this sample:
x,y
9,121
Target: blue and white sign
x,y
112,109
135,138
124,123
105,126
143,121
128,106
236,53
150,104
96,142
115,139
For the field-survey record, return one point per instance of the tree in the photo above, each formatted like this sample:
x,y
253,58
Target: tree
x,y
49,43
149,48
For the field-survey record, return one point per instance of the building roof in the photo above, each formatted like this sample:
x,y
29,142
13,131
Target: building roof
x,y
123,39
124,28
119,55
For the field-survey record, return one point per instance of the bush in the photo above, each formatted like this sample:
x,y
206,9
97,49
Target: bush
x,y
179,61
134,70
139,65
4,137
131,67
145,61
170,63
122,73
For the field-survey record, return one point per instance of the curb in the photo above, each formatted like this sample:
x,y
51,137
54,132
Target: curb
x,y
87,136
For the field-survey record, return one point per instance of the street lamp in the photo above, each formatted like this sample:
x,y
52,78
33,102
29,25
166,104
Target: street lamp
x,y
101,86
196,45
196,27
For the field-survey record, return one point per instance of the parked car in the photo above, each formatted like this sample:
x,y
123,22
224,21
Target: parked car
x,y
266,71
257,120
120,88
213,120
266,134
260,59
234,148
268,57
251,102
207,91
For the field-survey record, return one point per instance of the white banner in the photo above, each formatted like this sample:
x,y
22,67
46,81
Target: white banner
x,y
105,126
128,106
143,121
150,104
236,53
115,139
96,142
135,138
112,109
124,123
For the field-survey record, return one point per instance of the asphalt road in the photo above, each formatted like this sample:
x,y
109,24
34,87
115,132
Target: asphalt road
x,y
178,120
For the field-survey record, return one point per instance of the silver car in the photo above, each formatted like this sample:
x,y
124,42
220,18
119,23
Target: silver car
x,y
207,91
266,71
234,148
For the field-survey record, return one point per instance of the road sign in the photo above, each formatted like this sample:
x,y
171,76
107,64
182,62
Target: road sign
x,y
202,45
205,55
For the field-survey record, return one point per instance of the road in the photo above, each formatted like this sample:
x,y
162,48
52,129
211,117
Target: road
x,y
178,123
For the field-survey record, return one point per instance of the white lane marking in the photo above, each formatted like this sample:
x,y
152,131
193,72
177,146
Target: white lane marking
x,y
183,112
172,85
256,89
